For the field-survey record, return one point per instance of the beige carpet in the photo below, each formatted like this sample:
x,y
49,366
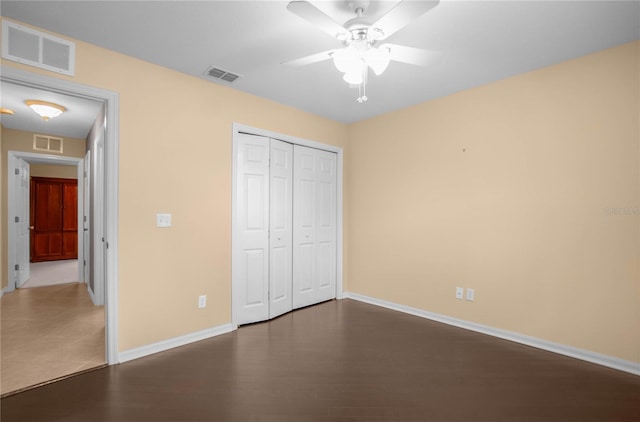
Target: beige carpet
x,y
52,272
48,332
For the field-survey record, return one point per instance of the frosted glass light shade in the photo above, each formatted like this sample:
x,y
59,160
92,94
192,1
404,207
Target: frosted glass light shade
x,y
45,109
378,59
354,77
347,60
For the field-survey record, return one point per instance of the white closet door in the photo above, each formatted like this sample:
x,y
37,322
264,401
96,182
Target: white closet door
x,y
314,226
251,253
281,232
326,225
304,226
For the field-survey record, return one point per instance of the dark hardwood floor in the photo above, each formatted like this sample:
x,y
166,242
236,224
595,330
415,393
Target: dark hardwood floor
x,y
340,361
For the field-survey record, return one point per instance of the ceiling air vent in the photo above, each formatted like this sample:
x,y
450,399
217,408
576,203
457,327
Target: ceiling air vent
x,y
217,73
25,45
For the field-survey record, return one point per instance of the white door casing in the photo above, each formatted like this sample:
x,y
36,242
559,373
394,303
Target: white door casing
x,y
280,227
251,251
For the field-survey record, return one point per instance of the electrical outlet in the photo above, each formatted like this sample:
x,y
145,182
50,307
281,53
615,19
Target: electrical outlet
x,y
459,292
163,220
471,294
202,301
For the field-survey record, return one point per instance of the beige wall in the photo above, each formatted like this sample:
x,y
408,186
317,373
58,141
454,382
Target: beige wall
x,y
177,159
50,170
504,188
519,215
18,140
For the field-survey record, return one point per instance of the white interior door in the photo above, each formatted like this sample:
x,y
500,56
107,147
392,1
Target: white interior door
x,y
326,214
304,226
314,226
280,227
22,180
86,221
251,249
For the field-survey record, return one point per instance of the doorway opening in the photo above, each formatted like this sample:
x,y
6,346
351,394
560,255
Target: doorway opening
x,y
109,206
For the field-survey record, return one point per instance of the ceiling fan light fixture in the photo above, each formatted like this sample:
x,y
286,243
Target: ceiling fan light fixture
x,y
378,59
347,60
45,109
353,77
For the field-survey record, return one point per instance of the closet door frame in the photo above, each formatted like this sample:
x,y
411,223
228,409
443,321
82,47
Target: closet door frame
x,y
235,262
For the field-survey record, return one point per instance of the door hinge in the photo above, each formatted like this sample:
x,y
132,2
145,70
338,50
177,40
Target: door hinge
x,y
16,172
85,218
17,219
107,245
84,262
17,267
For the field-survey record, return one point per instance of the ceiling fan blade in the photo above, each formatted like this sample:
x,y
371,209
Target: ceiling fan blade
x,y
314,58
401,14
315,16
411,55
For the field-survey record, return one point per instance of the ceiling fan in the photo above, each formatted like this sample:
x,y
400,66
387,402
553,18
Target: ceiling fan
x,y
361,37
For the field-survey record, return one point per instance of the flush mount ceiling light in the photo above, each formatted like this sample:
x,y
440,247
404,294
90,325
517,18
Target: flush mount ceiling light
x,y
360,38
44,109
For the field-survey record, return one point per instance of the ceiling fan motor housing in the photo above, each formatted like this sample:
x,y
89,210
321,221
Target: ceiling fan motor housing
x,y
359,7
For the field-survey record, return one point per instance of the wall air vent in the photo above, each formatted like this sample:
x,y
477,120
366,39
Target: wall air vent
x,y
217,73
47,143
28,46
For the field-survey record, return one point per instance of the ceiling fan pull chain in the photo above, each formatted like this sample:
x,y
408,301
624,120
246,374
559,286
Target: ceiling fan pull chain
x,y
365,76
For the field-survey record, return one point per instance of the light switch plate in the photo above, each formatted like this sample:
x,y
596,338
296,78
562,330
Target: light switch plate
x,y
471,294
163,220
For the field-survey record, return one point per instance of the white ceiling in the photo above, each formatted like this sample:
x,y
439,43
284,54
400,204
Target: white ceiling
x,y
74,123
478,42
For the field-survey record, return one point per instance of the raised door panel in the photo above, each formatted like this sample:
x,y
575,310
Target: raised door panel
x,y
70,220
70,206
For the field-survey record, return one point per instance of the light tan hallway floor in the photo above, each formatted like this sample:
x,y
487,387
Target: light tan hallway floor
x,y
48,332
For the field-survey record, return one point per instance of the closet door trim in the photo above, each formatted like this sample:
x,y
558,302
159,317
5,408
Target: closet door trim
x,y
244,129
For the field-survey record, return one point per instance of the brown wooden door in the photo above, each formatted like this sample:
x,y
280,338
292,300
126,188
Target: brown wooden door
x,y
54,219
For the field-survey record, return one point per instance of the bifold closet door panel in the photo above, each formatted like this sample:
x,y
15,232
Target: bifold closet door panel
x,y
281,228
314,226
304,226
251,281
326,214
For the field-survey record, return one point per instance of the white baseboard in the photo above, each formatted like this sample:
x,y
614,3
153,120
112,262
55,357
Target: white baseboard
x,y
161,346
597,358
3,291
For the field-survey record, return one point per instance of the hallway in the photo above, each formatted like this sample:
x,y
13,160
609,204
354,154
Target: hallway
x,y
47,333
